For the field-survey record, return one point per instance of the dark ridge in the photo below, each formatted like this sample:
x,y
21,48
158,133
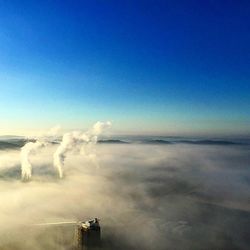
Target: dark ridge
x,y
113,141
7,145
55,142
210,142
156,142
13,143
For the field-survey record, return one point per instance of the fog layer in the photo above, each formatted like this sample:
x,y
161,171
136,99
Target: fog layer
x,y
147,197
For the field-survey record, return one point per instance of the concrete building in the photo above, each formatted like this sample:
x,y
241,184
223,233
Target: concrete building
x,y
88,235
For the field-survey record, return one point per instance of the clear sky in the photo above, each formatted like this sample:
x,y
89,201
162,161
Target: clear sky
x,y
158,67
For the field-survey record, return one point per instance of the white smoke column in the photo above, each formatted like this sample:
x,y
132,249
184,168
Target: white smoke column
x,y
31,148
53,132
99,127
26,166
68,141
87,148
73,140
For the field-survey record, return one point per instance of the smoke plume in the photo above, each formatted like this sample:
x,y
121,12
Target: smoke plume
x,y
31,148
81,141
27,149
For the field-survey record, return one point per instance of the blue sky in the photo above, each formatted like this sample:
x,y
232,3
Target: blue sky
x,y
158,67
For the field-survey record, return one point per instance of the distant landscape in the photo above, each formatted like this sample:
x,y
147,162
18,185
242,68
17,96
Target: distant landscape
x,y
11,142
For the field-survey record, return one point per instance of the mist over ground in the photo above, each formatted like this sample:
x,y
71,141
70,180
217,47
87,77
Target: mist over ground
x,y
147,195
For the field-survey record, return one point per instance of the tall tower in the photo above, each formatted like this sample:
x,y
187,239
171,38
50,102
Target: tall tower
x,y
88,235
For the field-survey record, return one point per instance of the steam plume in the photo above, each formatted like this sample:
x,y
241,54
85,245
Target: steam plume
x,y
78,140
31,148
26,150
